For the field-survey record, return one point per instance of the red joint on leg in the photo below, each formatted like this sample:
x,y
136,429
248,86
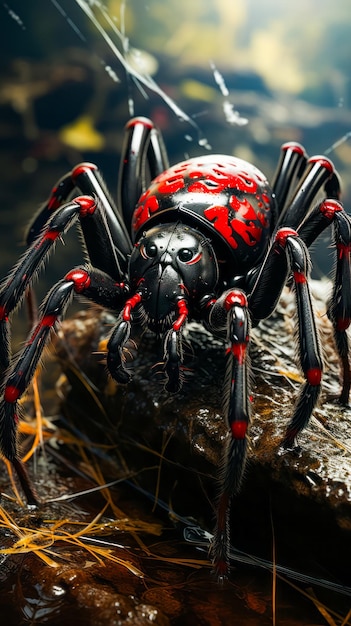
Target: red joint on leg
x,y
329,207
211,303
183,314
343,249
282,235
299,277
294,147
235,298
50,234
80,278
12,393
238,429
48,320
323,162
82,168
87,205
53,202
342,323
140,120
314,376
129,305
239,351
3,314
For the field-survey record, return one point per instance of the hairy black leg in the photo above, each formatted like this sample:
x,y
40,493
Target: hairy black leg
x,y
339,306
319,172
287,246
105,234
14,286
104,231
231,310
267,283
321,216
309,348
21,373
59,194
143,158
331,212
289,170
88,282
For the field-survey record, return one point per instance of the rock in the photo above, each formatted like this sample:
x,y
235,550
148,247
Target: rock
x,y
308,490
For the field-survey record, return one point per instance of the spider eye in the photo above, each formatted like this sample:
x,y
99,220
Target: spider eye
x,y
185,255
148,251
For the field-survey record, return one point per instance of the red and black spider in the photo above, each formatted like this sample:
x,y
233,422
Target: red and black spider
x,y
207,239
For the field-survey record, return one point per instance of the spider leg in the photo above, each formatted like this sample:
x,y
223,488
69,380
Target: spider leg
x,y
326,213
88,282
143,158
317,173
230,312
105,231
173,351
289,170
13,288
287,246
118,342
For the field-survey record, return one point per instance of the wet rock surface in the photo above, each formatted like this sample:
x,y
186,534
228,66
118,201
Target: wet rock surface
x,y
187,429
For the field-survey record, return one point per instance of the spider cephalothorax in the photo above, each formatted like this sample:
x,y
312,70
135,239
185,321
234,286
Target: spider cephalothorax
x,y
170,263
207,239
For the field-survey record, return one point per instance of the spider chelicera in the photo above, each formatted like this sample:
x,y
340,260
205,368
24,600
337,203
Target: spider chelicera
x,y
207,239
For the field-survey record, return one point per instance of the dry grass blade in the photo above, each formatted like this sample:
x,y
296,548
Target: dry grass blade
x,y
40,540
347,619
322,609
38,438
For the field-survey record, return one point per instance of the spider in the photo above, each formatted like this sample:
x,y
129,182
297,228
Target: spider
x,y
208,239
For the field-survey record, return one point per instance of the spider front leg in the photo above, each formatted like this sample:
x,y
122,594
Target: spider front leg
x,y
230,312
88,282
